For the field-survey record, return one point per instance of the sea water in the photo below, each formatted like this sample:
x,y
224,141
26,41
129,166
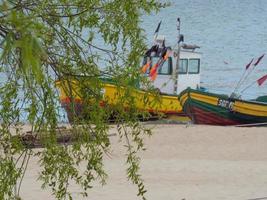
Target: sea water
x,y
229,32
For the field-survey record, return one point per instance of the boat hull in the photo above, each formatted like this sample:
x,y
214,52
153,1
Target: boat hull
x,y
168,105
214,109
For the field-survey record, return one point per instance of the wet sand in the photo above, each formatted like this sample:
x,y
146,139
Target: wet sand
x,y
182,162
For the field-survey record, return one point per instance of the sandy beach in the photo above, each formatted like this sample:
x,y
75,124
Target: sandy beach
x,y
182,162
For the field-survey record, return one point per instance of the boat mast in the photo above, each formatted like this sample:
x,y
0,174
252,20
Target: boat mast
x,y
179,39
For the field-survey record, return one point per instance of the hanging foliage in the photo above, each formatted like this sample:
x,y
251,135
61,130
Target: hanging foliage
x,y
79,40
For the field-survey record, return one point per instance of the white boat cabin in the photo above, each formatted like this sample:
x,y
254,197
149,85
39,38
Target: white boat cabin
x,y
188,70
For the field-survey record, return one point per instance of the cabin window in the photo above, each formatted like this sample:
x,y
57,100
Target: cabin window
x,y
183,63
193,66
165,69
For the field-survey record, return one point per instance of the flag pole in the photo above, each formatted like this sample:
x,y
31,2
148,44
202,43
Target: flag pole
x,y
153,48
239,83
254,66
248,87
157,31
245,78
260,81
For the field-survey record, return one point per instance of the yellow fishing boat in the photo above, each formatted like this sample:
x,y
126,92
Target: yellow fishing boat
x,y
163,103
177,71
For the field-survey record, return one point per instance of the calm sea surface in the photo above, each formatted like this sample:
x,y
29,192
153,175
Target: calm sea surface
x,y
229,32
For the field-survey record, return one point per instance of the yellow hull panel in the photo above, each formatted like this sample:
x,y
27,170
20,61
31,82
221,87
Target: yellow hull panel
x,y
168,104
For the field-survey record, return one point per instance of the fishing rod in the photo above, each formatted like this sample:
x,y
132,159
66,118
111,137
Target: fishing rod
x,y
154,48
163,52
157,31
160,50
164,57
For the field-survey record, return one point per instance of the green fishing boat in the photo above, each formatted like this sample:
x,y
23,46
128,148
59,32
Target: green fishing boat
x,y
216,109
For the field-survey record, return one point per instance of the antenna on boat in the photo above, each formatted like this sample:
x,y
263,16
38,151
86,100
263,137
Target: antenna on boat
x,y
178,28
180,38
